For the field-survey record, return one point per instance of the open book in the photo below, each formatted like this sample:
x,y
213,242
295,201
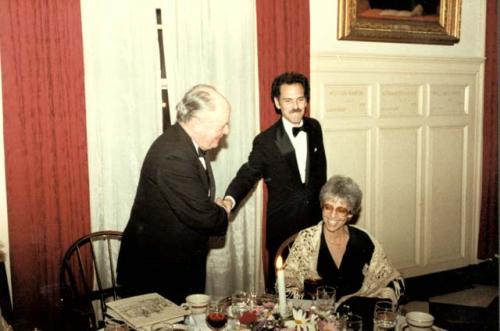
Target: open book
x,y
144,310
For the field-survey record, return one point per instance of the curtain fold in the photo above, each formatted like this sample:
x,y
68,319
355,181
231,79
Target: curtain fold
x,y
123,99
283,35
45,147
488,226
4,234
213,42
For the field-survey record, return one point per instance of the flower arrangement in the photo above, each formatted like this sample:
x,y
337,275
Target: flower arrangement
x,y
301,320
263,314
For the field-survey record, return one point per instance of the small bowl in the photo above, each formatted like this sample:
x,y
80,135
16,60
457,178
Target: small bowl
x,y
418,320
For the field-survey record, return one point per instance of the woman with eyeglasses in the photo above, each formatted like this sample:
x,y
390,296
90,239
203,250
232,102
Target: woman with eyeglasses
x,y
340,254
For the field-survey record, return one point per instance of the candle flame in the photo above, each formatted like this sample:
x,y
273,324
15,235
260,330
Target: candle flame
x,y
279,262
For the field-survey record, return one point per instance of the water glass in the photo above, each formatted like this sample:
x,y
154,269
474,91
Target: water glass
x,y
240,298
332,322
325,299
385,317
354,323
311,286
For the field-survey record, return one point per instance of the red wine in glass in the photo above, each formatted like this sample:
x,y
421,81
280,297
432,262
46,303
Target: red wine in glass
x,y
310,286
216,320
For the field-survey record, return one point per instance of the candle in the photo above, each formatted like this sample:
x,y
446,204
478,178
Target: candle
x,y
281,286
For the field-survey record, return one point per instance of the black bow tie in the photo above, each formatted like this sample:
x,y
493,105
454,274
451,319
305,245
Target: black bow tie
x,y
297,129
201,153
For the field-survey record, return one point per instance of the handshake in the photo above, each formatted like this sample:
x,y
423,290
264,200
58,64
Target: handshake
x,y
227,203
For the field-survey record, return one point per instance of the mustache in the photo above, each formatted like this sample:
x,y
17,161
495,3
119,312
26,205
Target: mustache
x,y
295,110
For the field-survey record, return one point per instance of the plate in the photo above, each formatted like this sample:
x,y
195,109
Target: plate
x,y
405,327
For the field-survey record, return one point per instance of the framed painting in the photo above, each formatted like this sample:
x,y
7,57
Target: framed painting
x,y
413,21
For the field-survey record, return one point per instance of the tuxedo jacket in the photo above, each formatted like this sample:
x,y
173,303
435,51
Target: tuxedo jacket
x,y
172,216
292,205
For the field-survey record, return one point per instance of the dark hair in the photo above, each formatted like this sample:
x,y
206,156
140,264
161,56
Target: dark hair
x,y
288,78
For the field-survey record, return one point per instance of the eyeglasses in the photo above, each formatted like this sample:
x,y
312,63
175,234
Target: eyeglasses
x,y
341,211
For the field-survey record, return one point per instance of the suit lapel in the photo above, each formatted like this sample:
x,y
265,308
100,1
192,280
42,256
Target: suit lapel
x,y
286,149
310,147
314,141
210,176
205,175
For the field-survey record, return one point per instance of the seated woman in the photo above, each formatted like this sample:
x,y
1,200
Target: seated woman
x,y
342,255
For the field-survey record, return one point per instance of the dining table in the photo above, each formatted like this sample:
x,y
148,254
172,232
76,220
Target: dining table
x,y
197,322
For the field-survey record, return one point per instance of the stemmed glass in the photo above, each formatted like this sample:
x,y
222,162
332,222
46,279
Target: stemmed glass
x,y
354,323
240,298
311,285
239,306
325,299
216,317
384,317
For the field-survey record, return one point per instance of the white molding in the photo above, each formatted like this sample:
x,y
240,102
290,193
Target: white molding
x,y
326,61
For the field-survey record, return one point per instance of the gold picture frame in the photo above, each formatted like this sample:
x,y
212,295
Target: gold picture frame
x,y
358,21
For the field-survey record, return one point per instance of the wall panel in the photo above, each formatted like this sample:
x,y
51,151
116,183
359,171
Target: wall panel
x,y
447,169
397,193
407,129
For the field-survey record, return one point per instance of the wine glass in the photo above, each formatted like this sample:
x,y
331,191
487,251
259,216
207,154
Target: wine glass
x,y
240,298
240,307
311,285
354,323
384,315
216,317
325,299
332,322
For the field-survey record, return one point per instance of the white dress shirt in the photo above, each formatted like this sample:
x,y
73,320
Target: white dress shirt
x,y
300,145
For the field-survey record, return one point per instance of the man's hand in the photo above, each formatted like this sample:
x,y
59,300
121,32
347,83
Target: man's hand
x,y
225,203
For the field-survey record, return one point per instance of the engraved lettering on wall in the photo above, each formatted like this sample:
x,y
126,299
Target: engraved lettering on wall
x,y
349,99
448,99
400,99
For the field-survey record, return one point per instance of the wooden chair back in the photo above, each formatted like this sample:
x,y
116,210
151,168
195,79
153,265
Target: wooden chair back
x,y
88,277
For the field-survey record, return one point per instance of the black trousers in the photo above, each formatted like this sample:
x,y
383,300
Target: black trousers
x,y
174,281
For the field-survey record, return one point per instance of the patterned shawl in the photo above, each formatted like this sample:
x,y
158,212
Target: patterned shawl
x,y
302,262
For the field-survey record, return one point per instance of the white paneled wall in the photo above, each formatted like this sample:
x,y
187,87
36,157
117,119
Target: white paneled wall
x,y
407,129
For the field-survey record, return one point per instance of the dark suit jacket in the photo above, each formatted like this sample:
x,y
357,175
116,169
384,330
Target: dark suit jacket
x,y
171,219
292,206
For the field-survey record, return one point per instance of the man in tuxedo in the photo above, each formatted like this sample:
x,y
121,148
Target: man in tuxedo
x,y
290,157
165,243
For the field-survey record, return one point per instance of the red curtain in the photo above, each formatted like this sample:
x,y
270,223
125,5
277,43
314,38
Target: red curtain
x,y
45,147
283,41
488,228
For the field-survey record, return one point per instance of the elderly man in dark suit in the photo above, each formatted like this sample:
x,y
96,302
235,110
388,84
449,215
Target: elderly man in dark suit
x,y
290,157
165,243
